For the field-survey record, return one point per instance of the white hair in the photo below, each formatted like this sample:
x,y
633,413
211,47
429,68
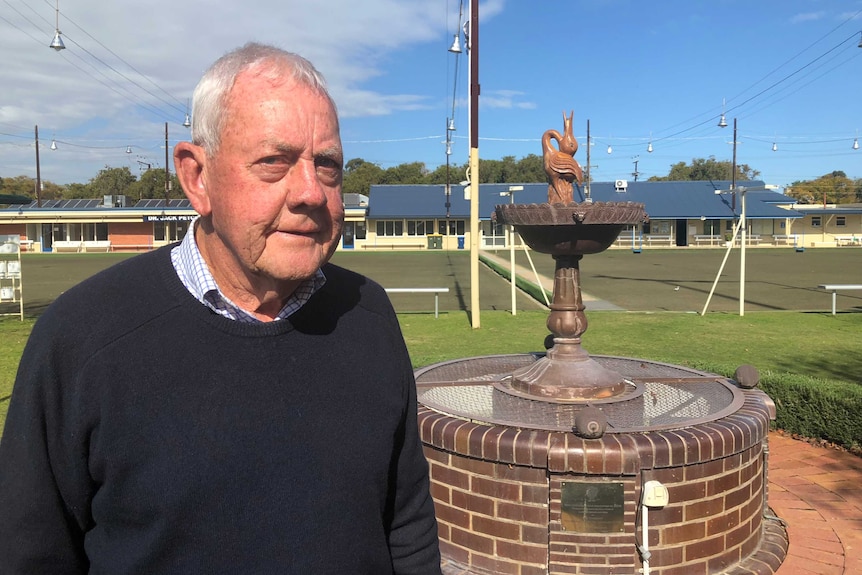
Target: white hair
x,y
209,112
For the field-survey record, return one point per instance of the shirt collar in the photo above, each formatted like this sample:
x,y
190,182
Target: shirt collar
x,y
195,275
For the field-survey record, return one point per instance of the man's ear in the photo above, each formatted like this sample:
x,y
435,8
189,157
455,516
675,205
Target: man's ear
x,y
190,162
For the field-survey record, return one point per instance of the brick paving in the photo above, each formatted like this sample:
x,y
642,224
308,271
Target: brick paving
x,y
817,491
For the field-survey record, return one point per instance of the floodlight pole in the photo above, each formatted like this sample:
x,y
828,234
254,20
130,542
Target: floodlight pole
x,y
167,169
511,239
738,229
473,51
38,172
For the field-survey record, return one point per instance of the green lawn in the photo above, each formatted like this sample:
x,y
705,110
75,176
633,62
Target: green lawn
x,y
807,343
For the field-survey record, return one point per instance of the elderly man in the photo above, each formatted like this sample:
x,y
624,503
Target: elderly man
x,y
234,403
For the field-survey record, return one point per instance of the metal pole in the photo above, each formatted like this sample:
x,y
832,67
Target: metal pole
x,y
38,172
742,239
720,269
167,169
589,145
512,255
473,49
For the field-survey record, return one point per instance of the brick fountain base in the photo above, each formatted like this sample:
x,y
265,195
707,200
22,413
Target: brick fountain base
x,y
518,492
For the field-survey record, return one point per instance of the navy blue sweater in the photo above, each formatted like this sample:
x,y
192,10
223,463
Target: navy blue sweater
x,y
148,435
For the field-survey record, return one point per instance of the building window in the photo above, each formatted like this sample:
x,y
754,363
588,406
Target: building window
x,y
450,227
815,221
420,227
96,232
659,227
493,234
360,230
169,231
762,227
840,221
390,228
73,232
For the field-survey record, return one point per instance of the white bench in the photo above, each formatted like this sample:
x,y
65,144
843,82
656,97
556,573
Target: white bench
x,y
848,240
97,245
435,291
66,246
650,238
834,288
785,239
395,246
712,239
131,247
749,239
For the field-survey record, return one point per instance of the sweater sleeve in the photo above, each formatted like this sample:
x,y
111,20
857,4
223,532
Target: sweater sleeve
x,y
413,538
43,501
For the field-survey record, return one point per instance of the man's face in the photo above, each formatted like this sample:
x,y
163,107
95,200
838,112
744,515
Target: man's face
x,y
273,188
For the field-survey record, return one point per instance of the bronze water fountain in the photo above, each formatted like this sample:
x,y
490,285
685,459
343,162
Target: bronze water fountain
x,y
562,462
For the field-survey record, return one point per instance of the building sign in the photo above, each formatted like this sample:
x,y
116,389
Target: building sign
x,y
170,218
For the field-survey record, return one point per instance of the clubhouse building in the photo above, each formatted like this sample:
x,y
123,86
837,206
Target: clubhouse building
x,y
419,217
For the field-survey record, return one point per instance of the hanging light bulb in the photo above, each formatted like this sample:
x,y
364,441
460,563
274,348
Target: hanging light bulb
x,y
128,149
610,149
53,144
722,122
57,42
774,147
187,122
451,125
649,148
455,48
856,143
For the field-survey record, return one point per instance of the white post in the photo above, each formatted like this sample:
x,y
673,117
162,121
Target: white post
x,y
510,236
512,266
742,238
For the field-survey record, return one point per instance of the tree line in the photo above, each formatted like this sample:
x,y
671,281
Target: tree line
x,y
108,182
360,175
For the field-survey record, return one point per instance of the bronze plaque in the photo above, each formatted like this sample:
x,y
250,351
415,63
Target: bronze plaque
x,y
592,507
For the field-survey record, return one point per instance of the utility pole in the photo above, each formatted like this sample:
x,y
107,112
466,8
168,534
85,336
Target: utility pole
x,y
167,169
475,232
635,174
38,172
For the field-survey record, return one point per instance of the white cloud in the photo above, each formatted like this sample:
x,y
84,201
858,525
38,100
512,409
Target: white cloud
x,y
88,94
506,99
807,17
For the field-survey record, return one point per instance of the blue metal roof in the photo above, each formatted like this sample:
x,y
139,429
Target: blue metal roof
x,y
416,202
662,200
839,209
96,204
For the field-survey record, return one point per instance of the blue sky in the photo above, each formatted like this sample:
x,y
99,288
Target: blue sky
x,y
789,71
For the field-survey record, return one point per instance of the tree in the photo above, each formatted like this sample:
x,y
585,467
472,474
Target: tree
x,y
79,191
706,169
531,169
112,181
359,175
411,173
833,188
151,185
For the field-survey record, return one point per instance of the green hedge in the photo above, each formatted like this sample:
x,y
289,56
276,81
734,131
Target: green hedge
x,y
810,407
530,288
